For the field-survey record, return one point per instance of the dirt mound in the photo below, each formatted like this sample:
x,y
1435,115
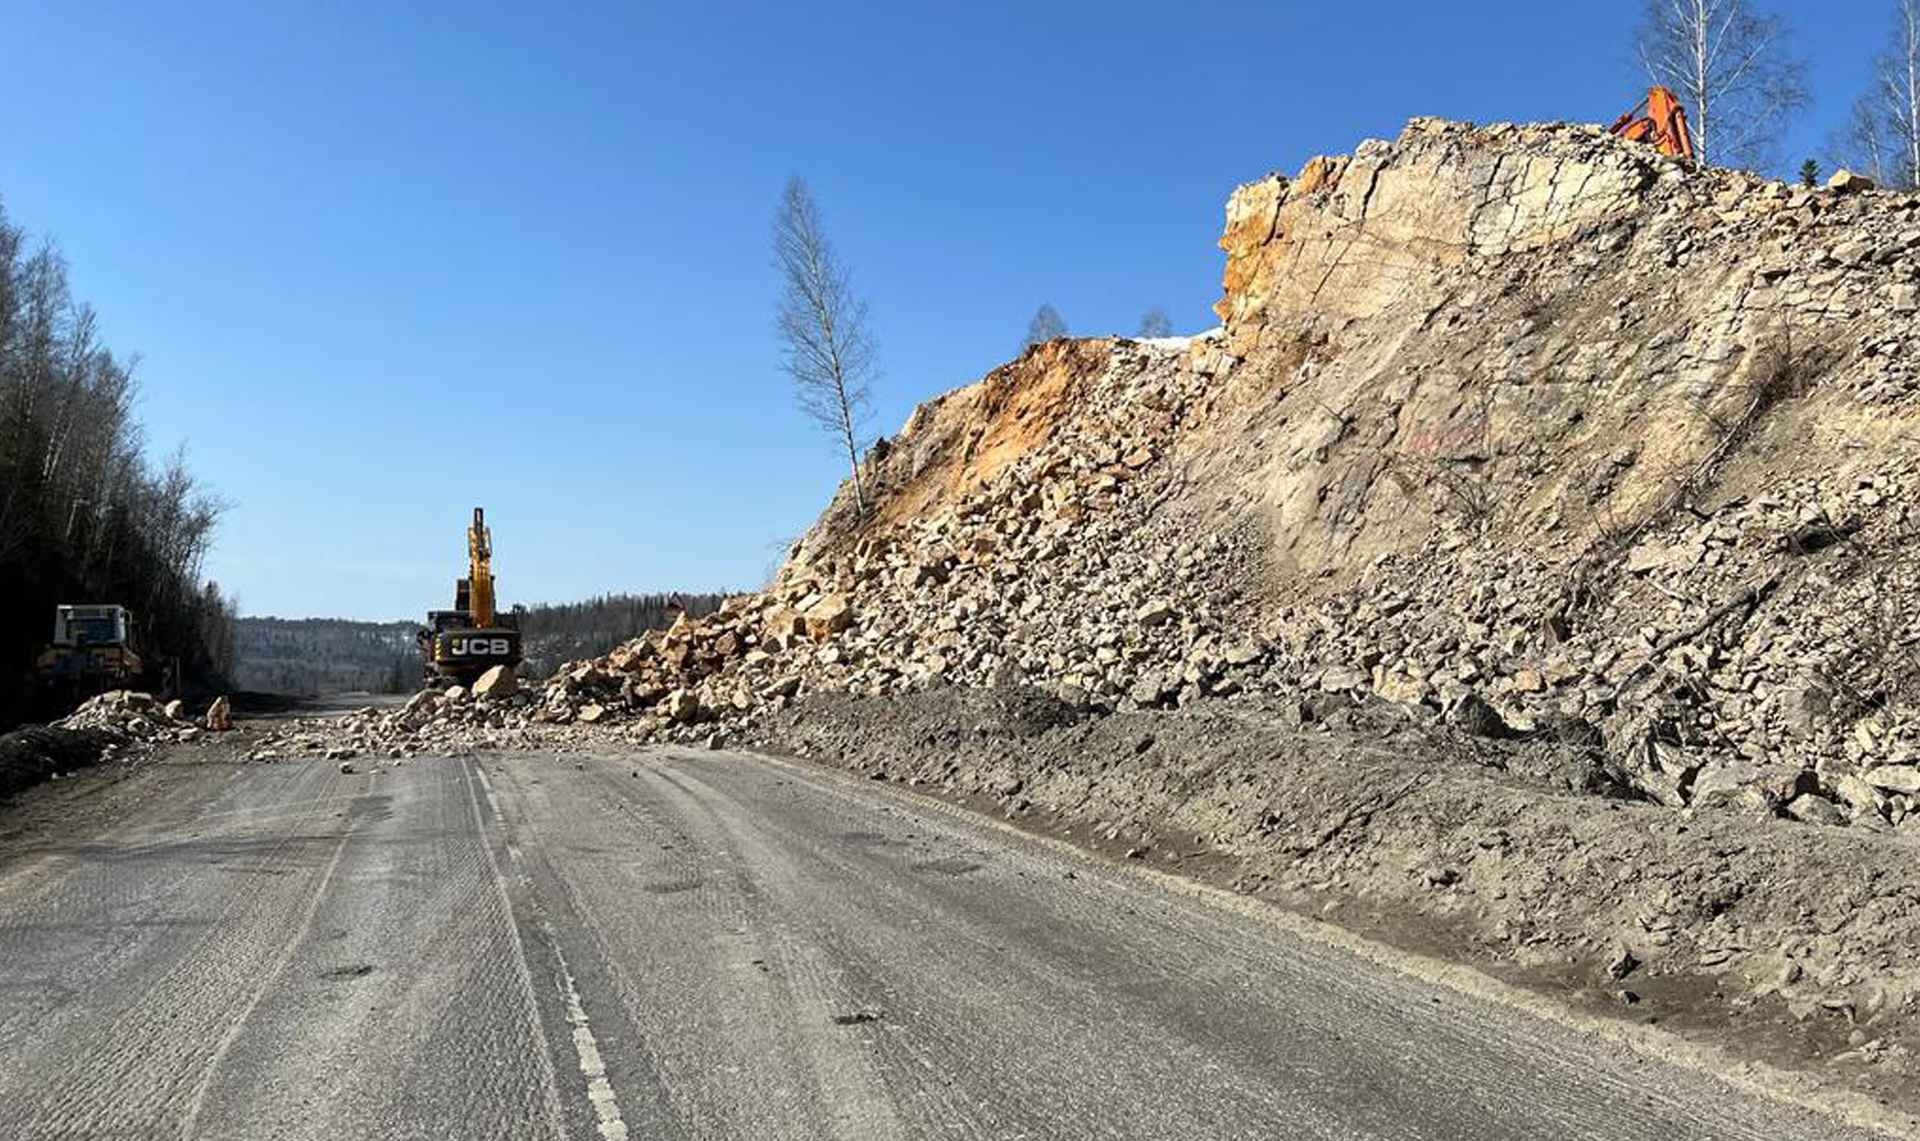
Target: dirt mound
x,y
29,756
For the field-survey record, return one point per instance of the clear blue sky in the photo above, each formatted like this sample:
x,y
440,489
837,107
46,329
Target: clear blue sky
x,y
384,261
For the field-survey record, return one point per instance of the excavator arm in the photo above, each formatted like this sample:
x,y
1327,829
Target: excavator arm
x,y
1658,119
480,571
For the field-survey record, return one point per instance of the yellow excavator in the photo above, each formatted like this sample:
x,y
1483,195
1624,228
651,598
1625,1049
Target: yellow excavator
x,y
473,637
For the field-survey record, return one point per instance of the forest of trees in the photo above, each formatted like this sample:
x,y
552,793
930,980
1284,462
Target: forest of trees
x,y
85,515
552,634
311,656
304,657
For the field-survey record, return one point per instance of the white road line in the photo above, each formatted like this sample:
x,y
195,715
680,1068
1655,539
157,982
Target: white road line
x,y
606,1107
599,1090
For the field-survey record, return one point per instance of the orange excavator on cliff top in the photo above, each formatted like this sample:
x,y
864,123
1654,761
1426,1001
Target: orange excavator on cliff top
x,y
1664,124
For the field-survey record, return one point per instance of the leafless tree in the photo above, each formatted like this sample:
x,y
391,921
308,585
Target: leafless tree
x,y
1881,136
1897,91
1733,69
823,326
1045,326
1155,322
1863,144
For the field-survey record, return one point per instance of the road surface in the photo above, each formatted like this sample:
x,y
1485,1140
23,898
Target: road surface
x,y
713,946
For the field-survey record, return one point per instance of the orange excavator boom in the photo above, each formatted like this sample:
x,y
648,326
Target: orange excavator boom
x,y
1659,119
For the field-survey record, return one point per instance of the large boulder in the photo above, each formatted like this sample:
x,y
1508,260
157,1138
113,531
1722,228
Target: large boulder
x,y
1894,778
1732,784
496,682
828,617
631,657
783,625
1844,181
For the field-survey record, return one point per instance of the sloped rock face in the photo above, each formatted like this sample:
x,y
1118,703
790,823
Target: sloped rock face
x,y
1541,323
1521,429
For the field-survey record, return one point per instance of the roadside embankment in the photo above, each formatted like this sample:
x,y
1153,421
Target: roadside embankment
x,y
1785,942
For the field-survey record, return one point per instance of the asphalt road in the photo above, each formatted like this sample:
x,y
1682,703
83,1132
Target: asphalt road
x,y
718,947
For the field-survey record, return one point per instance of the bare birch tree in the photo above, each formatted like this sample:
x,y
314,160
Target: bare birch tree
x,y
1733,69
1863,145
823,326
1897,88
1881,136
1045,326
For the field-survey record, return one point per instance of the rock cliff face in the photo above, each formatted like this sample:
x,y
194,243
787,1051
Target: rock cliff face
x,y
1521,428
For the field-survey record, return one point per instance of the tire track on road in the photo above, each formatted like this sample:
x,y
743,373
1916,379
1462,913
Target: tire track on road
x,y
133,1067
478,788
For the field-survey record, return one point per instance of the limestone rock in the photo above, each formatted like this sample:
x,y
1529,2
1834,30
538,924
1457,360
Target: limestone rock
x,y
828,617
1810,808
1844,181
1894,778
1155,613
683,706
498,681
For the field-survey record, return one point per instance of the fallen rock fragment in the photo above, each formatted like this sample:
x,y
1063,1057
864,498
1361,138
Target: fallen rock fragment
x,y
499,681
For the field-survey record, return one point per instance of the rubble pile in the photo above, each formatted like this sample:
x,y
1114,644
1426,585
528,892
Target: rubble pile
x,y
1055,567
131,721
439,720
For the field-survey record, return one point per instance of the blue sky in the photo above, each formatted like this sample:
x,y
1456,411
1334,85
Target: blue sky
x,y
385,261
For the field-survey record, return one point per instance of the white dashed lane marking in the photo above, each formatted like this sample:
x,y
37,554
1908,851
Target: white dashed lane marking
x,y
606,1106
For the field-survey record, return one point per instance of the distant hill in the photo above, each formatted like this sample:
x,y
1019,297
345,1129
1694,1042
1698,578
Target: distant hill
x,y
324,655
308,656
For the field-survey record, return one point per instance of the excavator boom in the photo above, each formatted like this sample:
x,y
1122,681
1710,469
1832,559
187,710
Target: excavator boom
x,y
480,570
1659,119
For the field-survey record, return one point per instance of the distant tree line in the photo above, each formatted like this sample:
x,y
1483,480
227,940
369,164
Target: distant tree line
x,y
310,656
85,516
569,631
